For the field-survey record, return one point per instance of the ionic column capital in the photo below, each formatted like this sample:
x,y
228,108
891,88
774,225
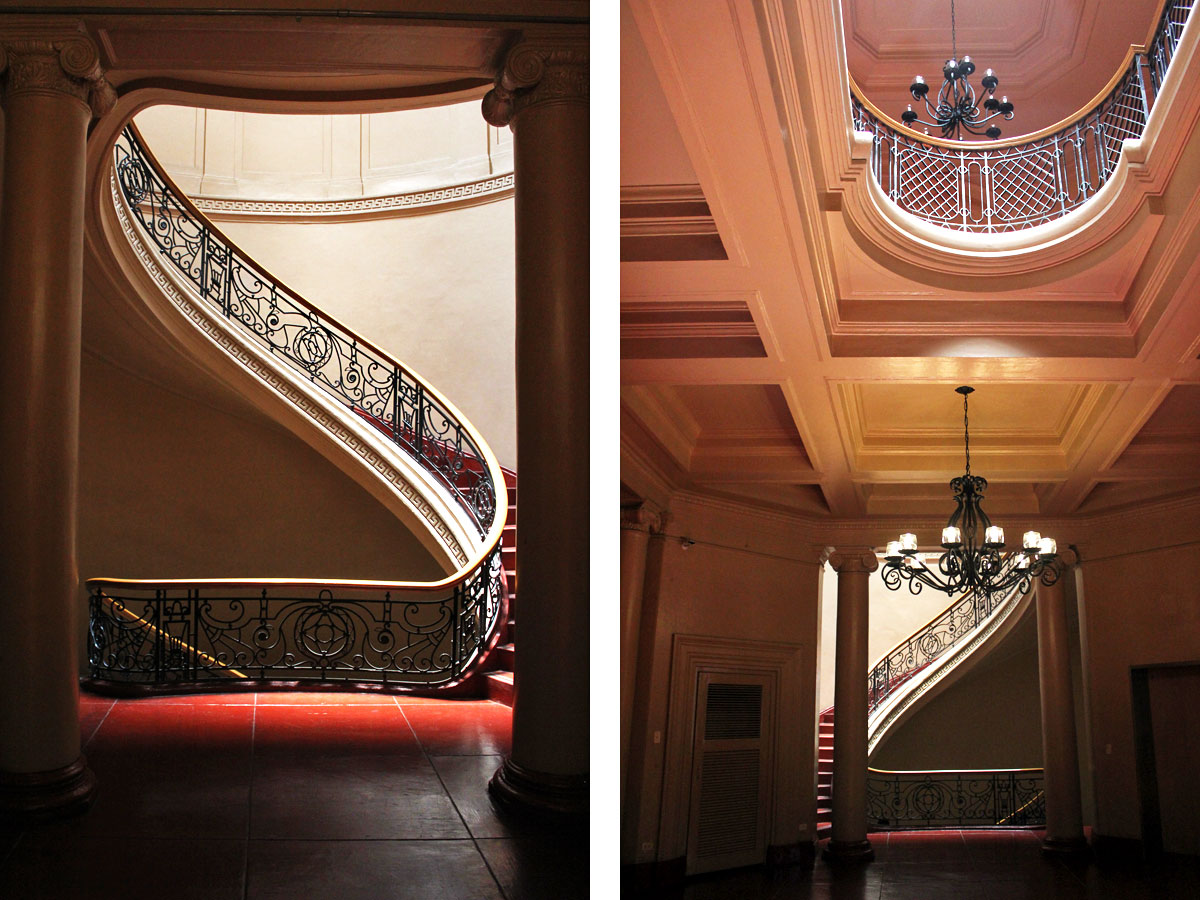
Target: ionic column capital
x,y
535,72
644,517
854,559
53,58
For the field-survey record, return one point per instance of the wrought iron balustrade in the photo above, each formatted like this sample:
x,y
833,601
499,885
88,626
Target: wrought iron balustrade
x,y
915,653
1012,798
359,375
1002,186
417,636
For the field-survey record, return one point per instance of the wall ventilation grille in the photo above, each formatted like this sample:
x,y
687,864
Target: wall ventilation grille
x,y
734,712
729,791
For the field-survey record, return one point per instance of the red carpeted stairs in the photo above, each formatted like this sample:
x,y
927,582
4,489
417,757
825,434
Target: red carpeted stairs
x,y
500,679
825,774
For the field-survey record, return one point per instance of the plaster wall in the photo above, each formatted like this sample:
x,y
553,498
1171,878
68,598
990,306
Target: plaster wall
x,y
1140,606
757,586
171,487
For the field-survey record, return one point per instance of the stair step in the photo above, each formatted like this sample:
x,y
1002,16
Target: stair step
x,y
824,813
500,687
504,656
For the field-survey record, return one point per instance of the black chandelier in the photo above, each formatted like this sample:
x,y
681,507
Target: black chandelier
x,y
957,109
966,565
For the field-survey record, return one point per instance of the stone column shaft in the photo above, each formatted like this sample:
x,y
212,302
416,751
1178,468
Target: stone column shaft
x,y
542,93
636,525
1060,753
51,76
848,841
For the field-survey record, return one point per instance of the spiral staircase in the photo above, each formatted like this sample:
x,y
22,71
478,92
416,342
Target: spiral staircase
x,y
903,680
376,419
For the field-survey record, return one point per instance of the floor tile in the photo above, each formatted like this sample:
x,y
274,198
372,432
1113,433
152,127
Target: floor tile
x,y
311,731
352,870
539,868
352,798
91,714
54,867
466,778
323,698
462,728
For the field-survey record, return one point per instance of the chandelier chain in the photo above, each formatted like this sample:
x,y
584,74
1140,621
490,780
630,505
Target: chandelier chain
x,y
953,33
966,435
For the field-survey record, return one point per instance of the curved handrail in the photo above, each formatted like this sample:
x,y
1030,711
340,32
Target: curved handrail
x,y
930,642
160,631
1022,182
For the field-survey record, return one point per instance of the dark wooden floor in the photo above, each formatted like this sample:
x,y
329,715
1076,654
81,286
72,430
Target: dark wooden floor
x,y
954,865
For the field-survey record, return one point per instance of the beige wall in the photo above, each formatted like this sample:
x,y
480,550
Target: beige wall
x,y
436,291
170,487
1141,606
252,156
758,586
957,730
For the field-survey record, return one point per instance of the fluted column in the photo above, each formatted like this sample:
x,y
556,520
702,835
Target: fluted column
x,y
1060,753
542,93
848,840
637,522
51,79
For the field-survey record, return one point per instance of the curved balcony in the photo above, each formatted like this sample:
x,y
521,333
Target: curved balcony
x,y
1002,186
230,633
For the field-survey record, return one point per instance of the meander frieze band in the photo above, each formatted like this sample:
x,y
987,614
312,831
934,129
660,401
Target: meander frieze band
x,y
65,63
535,74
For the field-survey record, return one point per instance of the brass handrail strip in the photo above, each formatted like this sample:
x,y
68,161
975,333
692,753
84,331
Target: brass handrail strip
x,y
134,618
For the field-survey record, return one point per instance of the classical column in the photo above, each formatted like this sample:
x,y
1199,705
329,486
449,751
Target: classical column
x,y
1060,754
637,522
542,93
848,840
52,77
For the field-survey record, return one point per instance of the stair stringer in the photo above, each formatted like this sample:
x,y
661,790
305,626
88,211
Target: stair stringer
x,y
946,669
171,306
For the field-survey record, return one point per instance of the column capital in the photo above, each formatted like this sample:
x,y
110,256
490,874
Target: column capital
x,y
536,71
645,516
854,559
37,57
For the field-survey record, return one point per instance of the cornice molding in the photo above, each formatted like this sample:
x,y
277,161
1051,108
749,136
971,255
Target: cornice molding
x,y
56,58
549,69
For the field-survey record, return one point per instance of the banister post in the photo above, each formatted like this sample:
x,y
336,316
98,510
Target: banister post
x,y
542,93
53,85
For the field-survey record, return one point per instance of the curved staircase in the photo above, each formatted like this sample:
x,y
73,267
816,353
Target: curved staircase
x,y
905,678
366,412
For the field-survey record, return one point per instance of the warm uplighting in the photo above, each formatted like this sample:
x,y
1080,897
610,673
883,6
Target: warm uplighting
x,y
967,565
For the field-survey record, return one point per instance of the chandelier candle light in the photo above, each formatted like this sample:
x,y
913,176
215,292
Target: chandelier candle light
x,y
967,565
957,109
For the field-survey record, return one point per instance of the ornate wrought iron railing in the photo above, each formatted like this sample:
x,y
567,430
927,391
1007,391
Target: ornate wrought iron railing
x,y
1013,798
174,632
912,655
999,186
222,632
318,347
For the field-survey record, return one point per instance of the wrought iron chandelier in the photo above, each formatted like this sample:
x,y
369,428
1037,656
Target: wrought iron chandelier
x,y
957,109
966,564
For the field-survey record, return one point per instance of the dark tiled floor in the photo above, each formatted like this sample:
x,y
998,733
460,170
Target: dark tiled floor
x,y
257,796
950,865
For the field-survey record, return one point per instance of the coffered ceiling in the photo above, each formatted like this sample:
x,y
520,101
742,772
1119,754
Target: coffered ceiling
x,y
809,365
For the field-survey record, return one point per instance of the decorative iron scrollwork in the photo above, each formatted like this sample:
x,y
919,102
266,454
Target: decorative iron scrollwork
x,y
329,355
1013,798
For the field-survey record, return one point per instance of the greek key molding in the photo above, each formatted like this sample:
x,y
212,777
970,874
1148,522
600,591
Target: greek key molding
x,y
537,72
40,58
299,400
493,188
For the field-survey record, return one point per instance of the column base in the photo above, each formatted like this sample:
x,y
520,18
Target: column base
x,y
542,796
1065,846
848,852
45,796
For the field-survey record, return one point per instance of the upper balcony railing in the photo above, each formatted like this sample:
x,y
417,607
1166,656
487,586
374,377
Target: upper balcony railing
x,y
999,186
